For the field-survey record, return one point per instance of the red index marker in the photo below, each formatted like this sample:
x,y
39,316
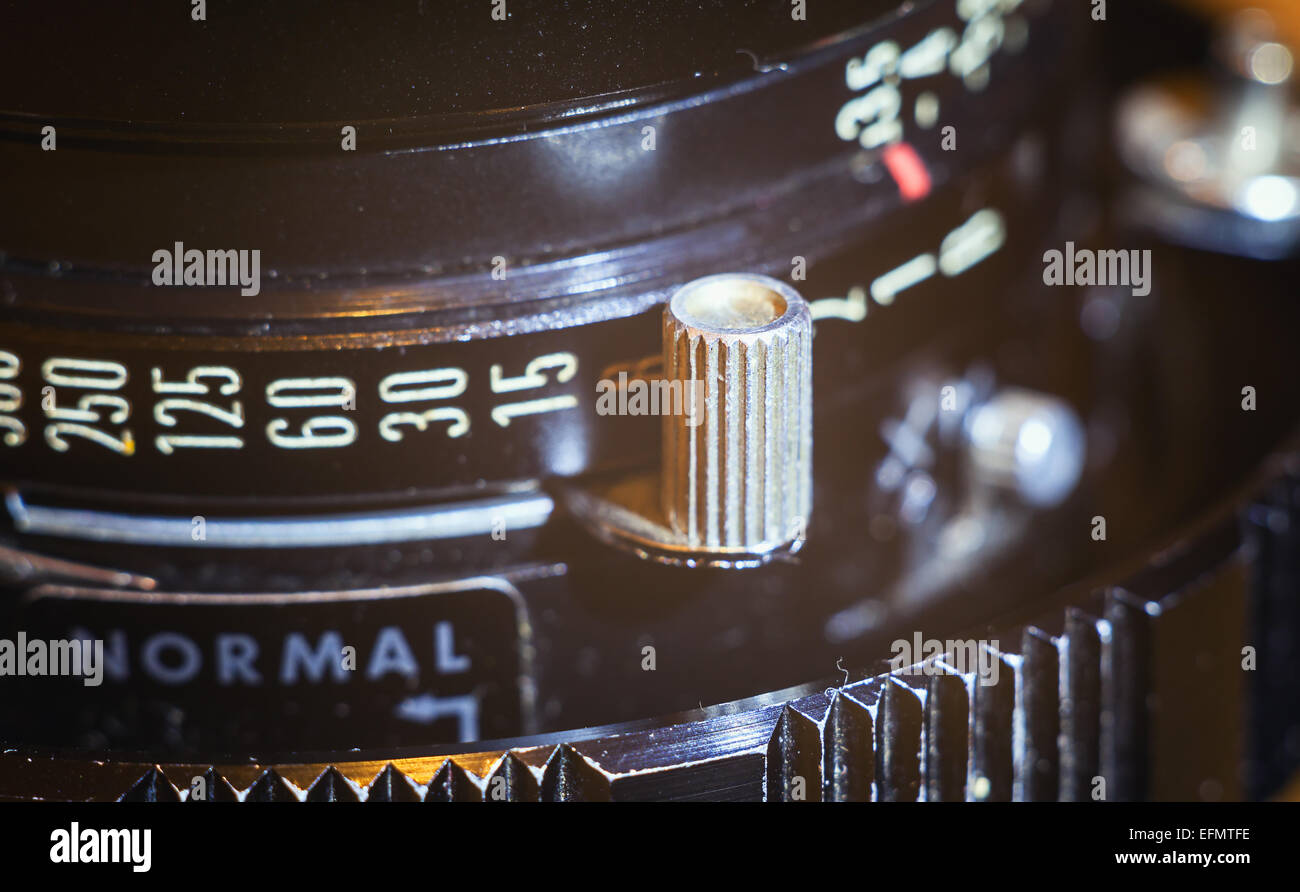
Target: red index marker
x,y
908,171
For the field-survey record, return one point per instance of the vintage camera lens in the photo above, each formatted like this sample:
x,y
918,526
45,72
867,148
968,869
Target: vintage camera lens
x,y
388,392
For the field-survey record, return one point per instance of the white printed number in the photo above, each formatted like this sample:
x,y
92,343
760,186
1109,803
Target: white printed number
x,y
872,119
93,411
181,397
423,386
564,365
11,400
319,431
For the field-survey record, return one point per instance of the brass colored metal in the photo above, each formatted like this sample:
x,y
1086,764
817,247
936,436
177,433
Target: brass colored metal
x,y
737,470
